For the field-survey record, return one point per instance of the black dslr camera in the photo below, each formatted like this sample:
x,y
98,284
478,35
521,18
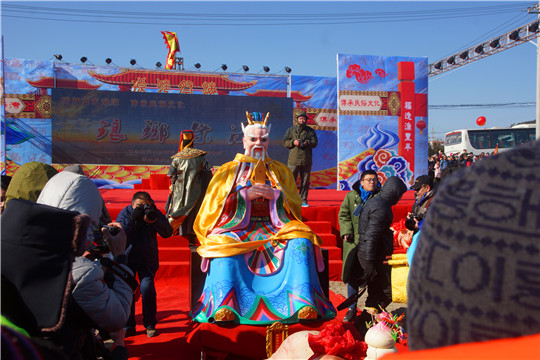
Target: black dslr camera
x,y
302,140
150,212
410,222
142,210
100,244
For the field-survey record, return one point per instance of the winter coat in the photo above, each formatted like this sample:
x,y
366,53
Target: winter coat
x,y
38,248
142,236
297,155
348,225
108,307
376,240
444,164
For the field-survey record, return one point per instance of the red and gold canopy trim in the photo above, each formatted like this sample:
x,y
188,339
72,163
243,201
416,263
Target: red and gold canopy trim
x,y
47,82
129,77
297,96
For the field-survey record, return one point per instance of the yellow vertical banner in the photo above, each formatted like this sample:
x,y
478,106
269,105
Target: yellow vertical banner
x,y
172,45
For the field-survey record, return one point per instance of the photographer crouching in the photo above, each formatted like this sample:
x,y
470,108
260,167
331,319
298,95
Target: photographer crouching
x,y
423,194
93,304
142,221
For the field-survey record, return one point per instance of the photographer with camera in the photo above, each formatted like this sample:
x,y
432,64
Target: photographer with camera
x,y
142,222
94,302
423,193
300,139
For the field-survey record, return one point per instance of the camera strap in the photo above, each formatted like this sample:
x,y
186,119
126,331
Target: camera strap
x,y
118,270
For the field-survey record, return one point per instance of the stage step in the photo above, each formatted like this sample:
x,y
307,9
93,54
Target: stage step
x,y
174,253
179,254
173,269
334,253
320,227
173,241
328,239
334,269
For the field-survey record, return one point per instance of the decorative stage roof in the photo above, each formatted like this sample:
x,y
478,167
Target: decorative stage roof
x,y
47,82
130,77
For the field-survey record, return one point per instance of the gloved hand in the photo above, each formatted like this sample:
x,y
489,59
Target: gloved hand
x,y
138,213
348,238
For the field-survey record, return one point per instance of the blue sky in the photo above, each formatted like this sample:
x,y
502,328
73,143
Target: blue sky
x,y
305,36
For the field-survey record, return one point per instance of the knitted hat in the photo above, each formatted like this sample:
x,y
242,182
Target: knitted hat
x,y
477,264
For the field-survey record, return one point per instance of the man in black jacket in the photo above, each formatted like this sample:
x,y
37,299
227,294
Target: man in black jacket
x,y
376,241
349,212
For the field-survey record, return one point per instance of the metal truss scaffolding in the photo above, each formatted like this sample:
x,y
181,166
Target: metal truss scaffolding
x,y
500,43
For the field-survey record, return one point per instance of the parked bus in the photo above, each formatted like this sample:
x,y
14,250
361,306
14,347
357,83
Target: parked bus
x,y
486,140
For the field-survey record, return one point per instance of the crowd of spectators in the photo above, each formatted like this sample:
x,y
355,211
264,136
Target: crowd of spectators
x,y
59,290
440,161
55,301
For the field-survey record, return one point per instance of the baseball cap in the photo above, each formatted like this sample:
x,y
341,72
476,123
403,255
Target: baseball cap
x,y
422,180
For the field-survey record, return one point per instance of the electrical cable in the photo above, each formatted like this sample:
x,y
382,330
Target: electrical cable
x,y
252,19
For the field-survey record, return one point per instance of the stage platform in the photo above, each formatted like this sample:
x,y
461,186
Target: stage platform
x,y
176,334
321,216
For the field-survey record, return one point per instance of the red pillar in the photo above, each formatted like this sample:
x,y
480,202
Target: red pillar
x,y
406,147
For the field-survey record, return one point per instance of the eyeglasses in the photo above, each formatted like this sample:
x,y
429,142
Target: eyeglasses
x,y
370,180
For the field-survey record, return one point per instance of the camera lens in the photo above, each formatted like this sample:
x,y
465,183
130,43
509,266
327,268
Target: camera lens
x,y
150,212
113,230
410,224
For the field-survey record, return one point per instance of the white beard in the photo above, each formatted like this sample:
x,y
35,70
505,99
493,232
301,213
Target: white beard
x,y
258,152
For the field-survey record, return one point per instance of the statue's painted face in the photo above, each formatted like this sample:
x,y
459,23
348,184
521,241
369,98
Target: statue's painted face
x,y
256,142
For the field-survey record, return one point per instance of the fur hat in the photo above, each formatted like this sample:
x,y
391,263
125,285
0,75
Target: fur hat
x,y
302,113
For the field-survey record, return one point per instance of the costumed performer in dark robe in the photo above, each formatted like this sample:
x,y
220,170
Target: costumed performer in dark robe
x,y
261,260
190,173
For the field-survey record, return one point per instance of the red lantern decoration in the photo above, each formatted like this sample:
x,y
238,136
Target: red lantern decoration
x,y
421,125
481,121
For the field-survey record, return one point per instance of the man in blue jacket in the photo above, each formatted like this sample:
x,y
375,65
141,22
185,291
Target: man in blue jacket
x,y
142,221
